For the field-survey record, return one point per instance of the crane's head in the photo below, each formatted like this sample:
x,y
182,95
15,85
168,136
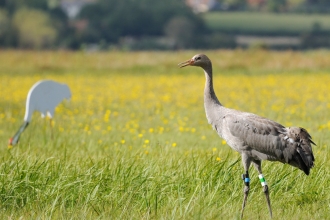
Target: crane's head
x,y
200,60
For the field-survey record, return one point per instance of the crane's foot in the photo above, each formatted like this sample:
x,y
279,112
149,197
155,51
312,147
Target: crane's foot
x,y
246,190
266,191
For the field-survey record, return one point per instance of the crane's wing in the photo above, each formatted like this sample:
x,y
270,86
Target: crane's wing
x,y
258,134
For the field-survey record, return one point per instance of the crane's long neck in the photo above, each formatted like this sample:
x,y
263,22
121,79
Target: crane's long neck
x,y
209,94
213,107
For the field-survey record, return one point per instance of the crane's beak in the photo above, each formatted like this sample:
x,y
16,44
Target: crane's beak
x,y
186,63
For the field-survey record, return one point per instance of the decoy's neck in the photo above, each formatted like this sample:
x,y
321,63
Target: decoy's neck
x,y
15,138
209,94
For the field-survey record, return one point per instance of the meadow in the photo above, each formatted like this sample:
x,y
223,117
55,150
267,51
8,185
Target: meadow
x,y
134,143
266,23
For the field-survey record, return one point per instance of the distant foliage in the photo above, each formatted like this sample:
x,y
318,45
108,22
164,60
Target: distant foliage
x,y
233,4
144,24
111,20
276,5
35,31
4,26
180,31
35,24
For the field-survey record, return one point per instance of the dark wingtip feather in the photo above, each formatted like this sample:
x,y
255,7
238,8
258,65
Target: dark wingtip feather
x,y
306,172
303,157
299,163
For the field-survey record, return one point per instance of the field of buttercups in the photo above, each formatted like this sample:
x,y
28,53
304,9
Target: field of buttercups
x,y
133,142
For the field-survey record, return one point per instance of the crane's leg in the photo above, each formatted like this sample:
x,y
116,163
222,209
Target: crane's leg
x,y
263,182
246,190
246,163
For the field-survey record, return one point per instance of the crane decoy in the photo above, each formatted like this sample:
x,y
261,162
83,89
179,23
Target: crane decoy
x,y
254,137
43,96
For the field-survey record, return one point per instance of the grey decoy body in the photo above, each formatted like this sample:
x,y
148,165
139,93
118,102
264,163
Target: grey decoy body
x,y
254,137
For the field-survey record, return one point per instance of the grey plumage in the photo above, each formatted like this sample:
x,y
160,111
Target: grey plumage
x,y
263,139
254,137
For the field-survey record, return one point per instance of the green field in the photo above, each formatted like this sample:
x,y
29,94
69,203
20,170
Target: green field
x,y
134,143
266,23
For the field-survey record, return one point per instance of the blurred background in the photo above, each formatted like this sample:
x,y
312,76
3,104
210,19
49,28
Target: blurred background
x,y
164,25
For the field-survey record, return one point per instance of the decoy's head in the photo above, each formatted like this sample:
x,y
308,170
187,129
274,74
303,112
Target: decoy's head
x,y
10,142
200,60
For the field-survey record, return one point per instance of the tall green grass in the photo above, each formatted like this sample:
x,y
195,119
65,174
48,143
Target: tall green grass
x,y
160,159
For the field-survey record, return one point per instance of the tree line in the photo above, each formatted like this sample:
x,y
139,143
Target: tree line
x,y
131,24
296,6
43,23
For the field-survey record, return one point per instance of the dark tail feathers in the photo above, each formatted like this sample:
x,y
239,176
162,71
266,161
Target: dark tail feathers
x,y
304,157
